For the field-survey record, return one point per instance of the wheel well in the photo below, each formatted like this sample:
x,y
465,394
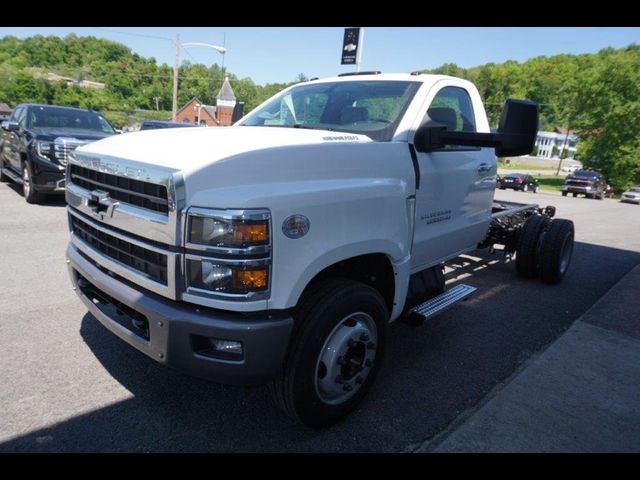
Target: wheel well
x,y
374,269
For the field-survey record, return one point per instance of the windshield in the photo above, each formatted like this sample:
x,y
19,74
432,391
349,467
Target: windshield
x,y
635,190
372,108
61,118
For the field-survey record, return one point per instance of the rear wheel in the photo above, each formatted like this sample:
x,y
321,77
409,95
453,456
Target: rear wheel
x,y
564,194
528,245
335,352
556,250
575,195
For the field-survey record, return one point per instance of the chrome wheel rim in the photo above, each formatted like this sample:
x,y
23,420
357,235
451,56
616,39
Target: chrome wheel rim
x,y
26,182
346,358
565,255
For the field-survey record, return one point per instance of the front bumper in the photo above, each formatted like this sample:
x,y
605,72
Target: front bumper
x,y
47,177
175,329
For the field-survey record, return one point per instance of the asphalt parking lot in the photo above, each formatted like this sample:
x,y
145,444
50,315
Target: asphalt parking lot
x,y
70,385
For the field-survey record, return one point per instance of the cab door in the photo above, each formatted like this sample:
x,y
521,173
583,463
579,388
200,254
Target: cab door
x,y
457,183
11,146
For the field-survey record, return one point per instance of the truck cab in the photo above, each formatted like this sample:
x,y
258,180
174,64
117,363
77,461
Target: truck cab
x,y
280,249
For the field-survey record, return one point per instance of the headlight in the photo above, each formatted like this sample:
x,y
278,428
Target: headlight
x,y
235,229
208,274
228,252
44,149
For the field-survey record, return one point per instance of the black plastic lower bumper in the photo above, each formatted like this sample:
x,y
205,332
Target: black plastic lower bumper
x,y
172,332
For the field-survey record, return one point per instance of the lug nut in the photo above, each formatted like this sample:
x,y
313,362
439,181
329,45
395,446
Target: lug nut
x,y
364,337
371,346
347,387
359,380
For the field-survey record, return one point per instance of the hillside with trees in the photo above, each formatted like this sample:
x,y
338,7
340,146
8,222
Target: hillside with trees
x,y
598,95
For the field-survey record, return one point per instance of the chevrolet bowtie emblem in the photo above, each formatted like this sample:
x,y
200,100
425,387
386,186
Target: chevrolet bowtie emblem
x,y
101,204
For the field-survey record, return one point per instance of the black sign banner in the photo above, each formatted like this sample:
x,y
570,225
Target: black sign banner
x,y
350,46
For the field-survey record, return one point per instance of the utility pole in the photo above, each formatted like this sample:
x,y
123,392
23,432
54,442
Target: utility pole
x,y
157,107
174,108
564,146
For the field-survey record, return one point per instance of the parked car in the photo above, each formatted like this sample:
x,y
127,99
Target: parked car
x,y
519,181
570,168
155,124
585,182
37,141
632,195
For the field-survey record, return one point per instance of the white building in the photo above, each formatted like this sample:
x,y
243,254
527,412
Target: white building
x,y
545,141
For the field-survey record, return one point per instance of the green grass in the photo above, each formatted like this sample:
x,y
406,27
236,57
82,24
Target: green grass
x,y
550,182
524,166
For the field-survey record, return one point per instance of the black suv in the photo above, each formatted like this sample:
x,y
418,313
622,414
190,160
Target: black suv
x,y
37,141
518,181
584,182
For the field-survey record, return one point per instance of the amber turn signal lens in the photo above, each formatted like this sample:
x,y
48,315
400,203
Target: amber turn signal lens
x,y
250,279
248,233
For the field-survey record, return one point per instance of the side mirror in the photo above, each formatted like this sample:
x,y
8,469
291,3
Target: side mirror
x,y
12,126
516,133
518,128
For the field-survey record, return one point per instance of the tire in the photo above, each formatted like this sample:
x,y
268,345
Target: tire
x,y
564,194
30,195
3,178
575,195
556,250
535,189
525,188
312,387
528,246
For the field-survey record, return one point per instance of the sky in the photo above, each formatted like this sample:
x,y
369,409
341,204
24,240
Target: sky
x,y
280,54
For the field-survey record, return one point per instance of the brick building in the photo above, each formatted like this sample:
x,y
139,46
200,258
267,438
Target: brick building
x,y
219,115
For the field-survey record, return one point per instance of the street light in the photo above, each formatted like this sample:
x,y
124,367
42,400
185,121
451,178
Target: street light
x,y
217,48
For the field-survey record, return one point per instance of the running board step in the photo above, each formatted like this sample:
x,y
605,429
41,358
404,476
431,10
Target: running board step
x,y
16,178
439,304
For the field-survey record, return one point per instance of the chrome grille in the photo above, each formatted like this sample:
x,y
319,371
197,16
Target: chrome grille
x,y
62,146
134,192
148,262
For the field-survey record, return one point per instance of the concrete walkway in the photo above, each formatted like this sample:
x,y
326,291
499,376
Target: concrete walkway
x,y
582,394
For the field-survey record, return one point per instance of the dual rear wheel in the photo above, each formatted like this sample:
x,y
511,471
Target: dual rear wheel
x,y
545,247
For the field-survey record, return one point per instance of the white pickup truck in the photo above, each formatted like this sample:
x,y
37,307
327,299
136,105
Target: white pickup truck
x,y
280,249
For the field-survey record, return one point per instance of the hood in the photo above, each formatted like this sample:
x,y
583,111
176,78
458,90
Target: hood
x,y
191,149
80,134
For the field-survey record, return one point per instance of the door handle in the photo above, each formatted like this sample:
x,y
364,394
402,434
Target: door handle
x,y
484,167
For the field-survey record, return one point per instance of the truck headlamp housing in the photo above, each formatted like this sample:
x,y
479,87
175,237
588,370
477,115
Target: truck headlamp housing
x,y
206,274
228,253
235,229
44,149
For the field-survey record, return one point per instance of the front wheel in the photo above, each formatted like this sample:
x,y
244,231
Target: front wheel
x,y
525,188
335,353
28,191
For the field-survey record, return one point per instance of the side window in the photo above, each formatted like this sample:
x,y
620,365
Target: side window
x,y
18,116
452,107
